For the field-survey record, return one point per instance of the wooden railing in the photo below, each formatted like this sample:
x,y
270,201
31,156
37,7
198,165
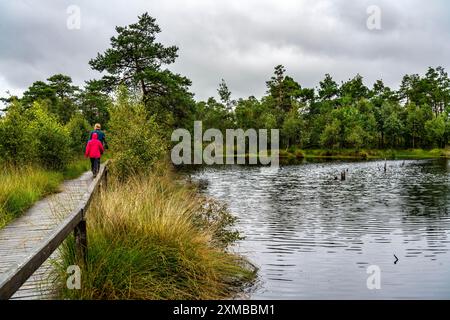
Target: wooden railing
x,y
74,222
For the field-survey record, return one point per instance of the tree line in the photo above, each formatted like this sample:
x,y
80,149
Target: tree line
x,y
331,116
345,115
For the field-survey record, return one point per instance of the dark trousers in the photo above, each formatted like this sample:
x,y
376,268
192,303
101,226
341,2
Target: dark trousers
x,y
95,165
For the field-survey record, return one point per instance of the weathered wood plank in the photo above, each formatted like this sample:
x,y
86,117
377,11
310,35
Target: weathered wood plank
x,y
29,241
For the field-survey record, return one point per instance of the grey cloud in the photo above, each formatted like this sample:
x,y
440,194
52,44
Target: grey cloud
x,y
240,41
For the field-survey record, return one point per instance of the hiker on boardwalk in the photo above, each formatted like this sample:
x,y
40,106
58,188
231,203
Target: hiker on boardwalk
x,y
94,150
100,134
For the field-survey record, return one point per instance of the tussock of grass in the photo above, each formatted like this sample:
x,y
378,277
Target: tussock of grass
x,y
153,238
76,168
21,187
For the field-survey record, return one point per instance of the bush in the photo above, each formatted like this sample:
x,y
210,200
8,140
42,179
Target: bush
x,y
435,131
51,141
15,137
329,137
78,129
363,154
35,136
135,138
437,152
214,216
147,241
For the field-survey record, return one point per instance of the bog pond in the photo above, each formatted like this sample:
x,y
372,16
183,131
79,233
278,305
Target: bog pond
x,y
314,236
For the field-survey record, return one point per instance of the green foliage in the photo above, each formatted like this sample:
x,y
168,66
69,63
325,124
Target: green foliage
x,y
355,137
51,141
349,115
329,136
94,103
328,89
225,95
78,129
135,60
353,90
214,115
135,137
435,130
39,91
15,136
58,94
34,136
216,217
65,93
283,89
292,128
393,128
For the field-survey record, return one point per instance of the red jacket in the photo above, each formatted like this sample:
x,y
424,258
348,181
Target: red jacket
x,y
94,148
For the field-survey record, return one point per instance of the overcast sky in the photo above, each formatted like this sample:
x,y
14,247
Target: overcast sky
x,y
238,40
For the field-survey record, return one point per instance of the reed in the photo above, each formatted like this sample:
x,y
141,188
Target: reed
x,y
154,237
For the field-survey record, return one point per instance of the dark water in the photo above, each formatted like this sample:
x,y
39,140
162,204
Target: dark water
x,y
314,237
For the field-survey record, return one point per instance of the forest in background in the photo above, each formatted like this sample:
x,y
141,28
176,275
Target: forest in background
x,y
329,116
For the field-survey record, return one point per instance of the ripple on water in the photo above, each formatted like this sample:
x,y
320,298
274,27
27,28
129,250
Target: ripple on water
x,y
314,237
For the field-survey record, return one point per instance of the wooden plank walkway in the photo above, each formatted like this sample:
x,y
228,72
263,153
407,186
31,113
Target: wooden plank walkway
x,y
23,234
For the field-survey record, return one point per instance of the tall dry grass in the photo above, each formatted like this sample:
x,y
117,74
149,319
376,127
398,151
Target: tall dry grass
x,y
154,238
20,187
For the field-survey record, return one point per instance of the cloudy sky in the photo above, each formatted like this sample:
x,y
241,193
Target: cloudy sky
x,y
238,40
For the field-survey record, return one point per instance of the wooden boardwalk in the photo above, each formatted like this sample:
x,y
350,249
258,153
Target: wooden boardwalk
x,y
27,232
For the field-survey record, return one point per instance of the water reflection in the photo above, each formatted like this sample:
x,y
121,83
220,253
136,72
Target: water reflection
x,y
314,236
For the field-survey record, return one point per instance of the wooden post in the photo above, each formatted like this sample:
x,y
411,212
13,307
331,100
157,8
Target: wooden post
x,y
81,241
343,175
106,178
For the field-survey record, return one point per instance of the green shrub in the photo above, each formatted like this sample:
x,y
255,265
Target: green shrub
x,y
292,149
15,137
51,141
214,216
363,154
78,129
135,138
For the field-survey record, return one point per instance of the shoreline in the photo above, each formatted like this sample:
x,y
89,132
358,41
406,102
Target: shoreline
x,y
363,154
370,154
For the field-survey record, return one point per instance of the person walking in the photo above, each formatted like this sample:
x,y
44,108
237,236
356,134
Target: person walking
x,y
100,134
94,151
